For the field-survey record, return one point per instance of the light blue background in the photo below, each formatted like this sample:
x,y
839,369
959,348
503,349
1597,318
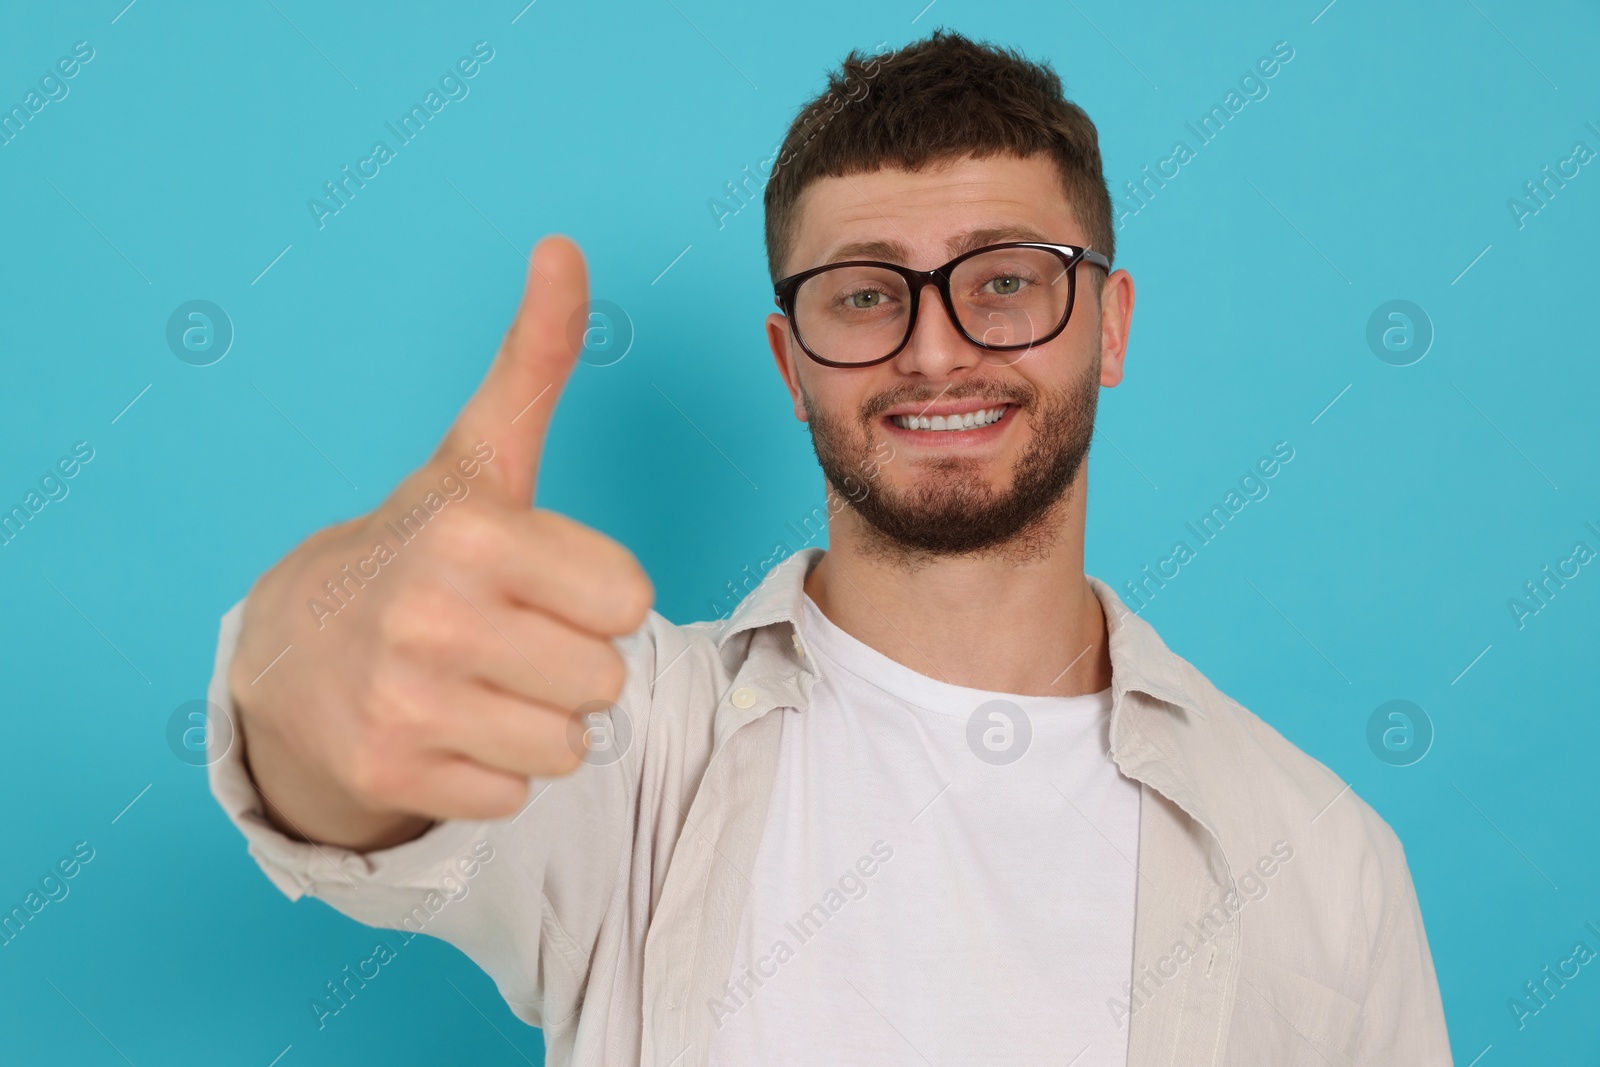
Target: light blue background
x,y
1379,167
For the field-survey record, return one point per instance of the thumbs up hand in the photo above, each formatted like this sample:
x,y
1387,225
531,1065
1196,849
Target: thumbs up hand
x,y
450,676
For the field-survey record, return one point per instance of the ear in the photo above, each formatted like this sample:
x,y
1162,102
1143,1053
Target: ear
x,y
1116,316
784,351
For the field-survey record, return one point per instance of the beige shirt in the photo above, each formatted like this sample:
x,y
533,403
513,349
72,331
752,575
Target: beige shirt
x,y
1275,919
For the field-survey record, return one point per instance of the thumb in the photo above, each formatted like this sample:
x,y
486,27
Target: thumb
x,y
513,406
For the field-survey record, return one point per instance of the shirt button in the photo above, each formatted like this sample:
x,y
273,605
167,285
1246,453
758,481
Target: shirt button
x,y
744,698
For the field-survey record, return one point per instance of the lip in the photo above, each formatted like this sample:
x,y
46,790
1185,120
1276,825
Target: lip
x,y
947,438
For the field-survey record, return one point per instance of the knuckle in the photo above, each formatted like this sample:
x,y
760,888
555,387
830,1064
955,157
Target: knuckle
x,y
401,621
392,714
468,536
419,619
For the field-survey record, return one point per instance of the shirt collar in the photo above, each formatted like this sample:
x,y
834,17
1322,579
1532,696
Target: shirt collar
x,y
1140,661
1160,736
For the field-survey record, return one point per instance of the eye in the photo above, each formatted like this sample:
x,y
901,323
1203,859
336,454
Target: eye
x,y
1005,284
868,297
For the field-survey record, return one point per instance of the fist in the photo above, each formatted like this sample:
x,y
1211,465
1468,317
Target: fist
x,y
424,661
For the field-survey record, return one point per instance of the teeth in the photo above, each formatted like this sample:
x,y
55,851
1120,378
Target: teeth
x,y
968,421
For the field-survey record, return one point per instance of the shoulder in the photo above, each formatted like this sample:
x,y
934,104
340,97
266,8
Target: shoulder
x,y
1274,784
1347,885
1246,779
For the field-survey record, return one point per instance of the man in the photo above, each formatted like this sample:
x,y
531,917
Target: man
x,y
933,796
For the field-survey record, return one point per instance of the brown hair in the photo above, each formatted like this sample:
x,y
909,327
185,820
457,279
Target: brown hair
x,y
937,99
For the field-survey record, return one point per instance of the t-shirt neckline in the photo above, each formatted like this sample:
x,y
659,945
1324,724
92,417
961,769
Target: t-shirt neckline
x,y
825,640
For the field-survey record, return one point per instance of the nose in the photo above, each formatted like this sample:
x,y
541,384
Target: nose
x,y
937,348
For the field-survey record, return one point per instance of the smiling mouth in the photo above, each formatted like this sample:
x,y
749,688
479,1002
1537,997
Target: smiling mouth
x,y
971,420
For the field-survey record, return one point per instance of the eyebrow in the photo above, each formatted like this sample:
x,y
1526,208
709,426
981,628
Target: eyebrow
x,y
895,252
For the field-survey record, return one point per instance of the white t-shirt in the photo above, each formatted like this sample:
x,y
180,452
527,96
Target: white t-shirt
x,y
946,877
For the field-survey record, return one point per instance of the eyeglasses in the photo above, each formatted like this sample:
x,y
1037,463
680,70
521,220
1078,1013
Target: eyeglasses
x,y
1003,298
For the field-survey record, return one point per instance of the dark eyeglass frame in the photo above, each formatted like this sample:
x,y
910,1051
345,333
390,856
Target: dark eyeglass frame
x,y
784,291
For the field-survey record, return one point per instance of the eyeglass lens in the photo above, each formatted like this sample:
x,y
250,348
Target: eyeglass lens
x,y
1008,296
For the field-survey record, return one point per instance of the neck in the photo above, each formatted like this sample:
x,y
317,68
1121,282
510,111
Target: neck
x,y
1020,618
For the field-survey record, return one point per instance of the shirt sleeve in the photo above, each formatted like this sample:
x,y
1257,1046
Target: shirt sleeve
x,y
524,897
300,868
1403,1017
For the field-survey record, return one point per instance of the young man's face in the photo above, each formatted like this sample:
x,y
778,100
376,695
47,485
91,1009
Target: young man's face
x,y
953,491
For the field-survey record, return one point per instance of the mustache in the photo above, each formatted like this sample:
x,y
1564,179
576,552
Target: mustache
x,y
1019,393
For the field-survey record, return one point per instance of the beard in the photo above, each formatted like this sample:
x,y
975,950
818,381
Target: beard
x,y
951,511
